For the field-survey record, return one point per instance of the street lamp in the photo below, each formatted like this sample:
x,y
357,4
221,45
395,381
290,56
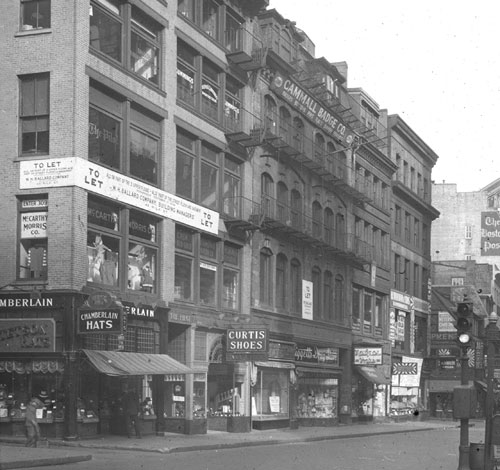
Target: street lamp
x,y
492,338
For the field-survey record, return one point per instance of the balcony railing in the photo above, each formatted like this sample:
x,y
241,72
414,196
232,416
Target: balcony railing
x,y
241,126
244,49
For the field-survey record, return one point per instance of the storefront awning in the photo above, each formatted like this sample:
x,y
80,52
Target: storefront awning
x,y
125,363
275,364
373,374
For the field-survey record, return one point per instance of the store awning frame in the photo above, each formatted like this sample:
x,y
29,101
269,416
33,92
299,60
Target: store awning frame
x,y
117,363
275,364
373,374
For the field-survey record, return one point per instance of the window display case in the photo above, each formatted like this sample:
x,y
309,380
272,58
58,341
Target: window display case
x,y
270,394
317,398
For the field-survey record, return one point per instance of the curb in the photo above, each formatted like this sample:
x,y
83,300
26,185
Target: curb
x,y
44,462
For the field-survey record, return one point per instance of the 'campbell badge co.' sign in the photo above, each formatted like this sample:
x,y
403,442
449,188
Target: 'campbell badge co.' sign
x,y
311,109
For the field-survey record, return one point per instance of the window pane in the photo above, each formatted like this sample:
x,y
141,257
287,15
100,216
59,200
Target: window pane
x,y
368,308
208,190
231,193
185,84
280,281
231,289
208,248
143,156
36,14
142,226
28,96
233,33
183,239
104,139
186,8
209,99
103,254
105,34
183,277
103,214
208,274
35,135
42,94
141,267
144,58
210,18
184,175
33,259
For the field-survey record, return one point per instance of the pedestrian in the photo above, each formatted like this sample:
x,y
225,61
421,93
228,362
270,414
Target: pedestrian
x,y
132,410
31,424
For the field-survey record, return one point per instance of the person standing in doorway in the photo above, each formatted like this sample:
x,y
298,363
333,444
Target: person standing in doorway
x,y
31,424
132,410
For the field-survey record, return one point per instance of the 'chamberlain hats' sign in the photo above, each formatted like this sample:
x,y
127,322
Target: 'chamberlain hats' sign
x,y
490,233
106,320
311,109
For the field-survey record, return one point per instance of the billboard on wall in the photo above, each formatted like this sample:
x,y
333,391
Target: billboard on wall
x,y
490,233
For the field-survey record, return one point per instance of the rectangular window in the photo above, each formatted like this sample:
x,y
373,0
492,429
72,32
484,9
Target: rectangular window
x,y
34,113
468,232
368,308
356,306
231,187
231,277
265,277
116,28
107,233
407,227
210,90
379,303
35,14
457,281
33,262
210,18
397,221
184,257
115,124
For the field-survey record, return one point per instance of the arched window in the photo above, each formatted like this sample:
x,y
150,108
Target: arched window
x,y
281,280
339,299
285,125
282,203
295,287
317,220
270,114
330,157
319,148
340,234
265,277
296,209
267,193
298,134
316,281
328,311
329,227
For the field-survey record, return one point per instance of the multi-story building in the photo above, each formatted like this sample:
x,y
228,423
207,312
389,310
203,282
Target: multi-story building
x,y
412,216
214,235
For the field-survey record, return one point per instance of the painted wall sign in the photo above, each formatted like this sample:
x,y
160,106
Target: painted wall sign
x,y
490,233
144,312
364,356
28,335
26,302
311,109
109,320
72,171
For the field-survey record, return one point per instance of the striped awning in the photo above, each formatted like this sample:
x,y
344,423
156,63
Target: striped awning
x,y
115,363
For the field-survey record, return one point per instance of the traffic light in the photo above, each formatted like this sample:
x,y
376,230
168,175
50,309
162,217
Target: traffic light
x,y
465,313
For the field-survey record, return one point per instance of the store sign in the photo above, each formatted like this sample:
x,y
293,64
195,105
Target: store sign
x,y
367,356
28,335
490,233
401,301
72,171
26,301
106,320
253,340
311,109
33,225
316,355
281,350
142,312
446,322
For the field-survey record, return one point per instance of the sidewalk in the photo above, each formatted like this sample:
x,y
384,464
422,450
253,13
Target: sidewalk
x,y
13,455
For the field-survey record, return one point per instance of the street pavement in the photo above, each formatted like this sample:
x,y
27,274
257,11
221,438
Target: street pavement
x,y
13,454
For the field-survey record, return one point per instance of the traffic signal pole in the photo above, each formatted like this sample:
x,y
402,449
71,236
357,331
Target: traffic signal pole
x,y
464,447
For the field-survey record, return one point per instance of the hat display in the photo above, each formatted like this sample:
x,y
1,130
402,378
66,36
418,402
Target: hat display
x,y
43,394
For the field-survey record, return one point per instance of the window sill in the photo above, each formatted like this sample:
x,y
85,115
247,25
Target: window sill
x,y
33,32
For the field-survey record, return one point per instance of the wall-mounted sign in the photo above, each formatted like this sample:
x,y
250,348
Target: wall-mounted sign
x,y
106,320
28,335
311,109
367,356
247,340
307,300
99,299
316,354
72,171
143,312
33,225
26,301
490,233
446,322
401,300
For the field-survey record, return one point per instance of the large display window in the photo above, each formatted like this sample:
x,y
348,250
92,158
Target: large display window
x,y
317,397
270,394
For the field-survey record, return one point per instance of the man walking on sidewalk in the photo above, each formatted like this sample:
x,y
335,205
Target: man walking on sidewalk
x,y
132,410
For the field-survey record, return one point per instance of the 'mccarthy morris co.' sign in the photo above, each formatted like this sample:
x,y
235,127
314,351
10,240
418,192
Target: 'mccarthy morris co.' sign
x,y
312,109
490,233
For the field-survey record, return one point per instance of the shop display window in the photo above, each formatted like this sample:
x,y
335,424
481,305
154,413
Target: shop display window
x,y
199,399
270,394
224,391
175,397
317,398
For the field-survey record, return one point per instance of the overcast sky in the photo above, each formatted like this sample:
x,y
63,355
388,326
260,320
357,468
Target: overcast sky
x,y
435,63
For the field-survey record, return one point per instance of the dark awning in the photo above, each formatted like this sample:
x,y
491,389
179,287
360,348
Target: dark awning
x,y
116,363
373,374
275,364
